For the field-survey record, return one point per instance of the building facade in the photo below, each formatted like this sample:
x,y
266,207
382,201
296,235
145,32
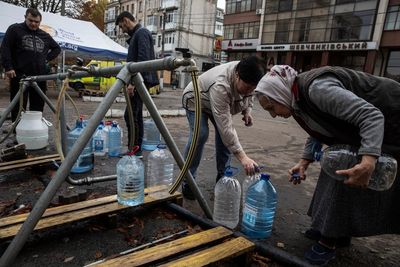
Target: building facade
x,y
358,34
173,23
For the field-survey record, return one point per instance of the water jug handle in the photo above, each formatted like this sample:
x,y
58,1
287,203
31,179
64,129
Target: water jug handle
x,y
47,122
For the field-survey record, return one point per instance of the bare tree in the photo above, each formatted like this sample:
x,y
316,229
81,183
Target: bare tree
x,y
72,7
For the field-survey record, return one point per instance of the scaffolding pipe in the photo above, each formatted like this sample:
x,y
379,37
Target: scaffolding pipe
x,y
12,104
47,100
168,63
263,247
151,107
123,78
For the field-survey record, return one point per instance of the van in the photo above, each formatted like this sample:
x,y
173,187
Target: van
x,y
99,86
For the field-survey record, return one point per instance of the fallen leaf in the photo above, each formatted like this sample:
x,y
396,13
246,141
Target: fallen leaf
x,y
98,255
69,259
280,245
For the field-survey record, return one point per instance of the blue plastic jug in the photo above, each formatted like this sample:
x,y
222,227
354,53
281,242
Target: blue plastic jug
x,y
85,161
259,209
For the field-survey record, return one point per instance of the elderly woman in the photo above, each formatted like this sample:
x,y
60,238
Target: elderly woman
x,y
335,105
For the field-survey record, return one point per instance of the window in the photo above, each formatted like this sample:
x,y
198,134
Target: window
x,y
393,67
392,21
301,30
237,6
274,6
247,30
353,26
158,40
140,6
282,31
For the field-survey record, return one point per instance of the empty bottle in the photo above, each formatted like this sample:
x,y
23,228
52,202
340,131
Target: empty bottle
x,y
130,181
85,161
106,131
151,135
343,157
160,167
247,182
227,200
259,209
114,141
99,141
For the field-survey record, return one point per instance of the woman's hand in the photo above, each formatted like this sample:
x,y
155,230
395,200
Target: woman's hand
x,y
298,172
359,175
248,164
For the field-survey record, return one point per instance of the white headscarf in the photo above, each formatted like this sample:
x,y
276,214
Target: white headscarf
x,y
277,84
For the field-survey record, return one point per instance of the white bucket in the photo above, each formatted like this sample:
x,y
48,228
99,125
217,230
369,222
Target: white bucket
x,y
33,130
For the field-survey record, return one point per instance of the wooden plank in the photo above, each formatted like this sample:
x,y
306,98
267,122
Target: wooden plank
x,y
149,255
21,165
226,250
6,221
28,160
85,213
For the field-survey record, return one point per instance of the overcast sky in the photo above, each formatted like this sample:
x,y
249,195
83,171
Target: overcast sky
x,y
221,4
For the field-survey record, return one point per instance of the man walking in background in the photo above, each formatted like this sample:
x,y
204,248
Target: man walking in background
x,y
141,48
25,51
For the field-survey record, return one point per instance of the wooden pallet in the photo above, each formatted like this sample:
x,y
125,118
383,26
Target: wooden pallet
x,y
23,163
62,215
199,249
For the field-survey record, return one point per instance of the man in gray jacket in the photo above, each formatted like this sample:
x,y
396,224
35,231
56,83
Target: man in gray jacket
x,y
226,90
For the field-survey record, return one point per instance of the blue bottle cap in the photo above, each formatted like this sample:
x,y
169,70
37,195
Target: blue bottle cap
x,y
265,176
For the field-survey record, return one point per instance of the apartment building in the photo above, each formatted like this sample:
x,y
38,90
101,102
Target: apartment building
x,y
173,23
358,34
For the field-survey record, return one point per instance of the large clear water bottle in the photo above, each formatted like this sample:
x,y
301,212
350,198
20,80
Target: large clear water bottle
x,y
85,161
247,182
160,167
130,181
259,209
106,131
227,200
151,135
114,141
342,157
99,141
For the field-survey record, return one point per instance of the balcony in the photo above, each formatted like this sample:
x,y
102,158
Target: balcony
x,y
169,4
170,26
152,28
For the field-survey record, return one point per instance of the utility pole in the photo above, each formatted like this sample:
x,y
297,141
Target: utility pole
x,y
162,49
62,7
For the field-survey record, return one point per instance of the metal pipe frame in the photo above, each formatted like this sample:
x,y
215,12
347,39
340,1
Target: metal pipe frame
x,y
123,78
12,104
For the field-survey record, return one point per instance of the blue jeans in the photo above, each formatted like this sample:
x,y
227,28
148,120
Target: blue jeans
x,y
223,155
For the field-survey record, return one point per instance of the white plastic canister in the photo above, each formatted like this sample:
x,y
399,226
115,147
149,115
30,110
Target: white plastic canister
x,y
33,130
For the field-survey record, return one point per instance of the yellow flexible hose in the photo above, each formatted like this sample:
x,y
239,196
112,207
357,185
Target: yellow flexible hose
x,y
195,135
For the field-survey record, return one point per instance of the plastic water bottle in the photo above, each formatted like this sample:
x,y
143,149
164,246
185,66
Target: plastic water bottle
x,y
114,141
151,135
259,209
85,161
106,131
227,200
130,181
160,167
99,141
247,182
342,157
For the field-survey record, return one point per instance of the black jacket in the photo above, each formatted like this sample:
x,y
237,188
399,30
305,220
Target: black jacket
x,y
26,51
141,48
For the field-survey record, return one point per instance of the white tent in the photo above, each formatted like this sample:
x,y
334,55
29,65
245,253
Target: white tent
x,y
71,34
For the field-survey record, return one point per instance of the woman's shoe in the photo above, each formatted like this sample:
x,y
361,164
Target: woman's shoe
x,y
320,255
315,235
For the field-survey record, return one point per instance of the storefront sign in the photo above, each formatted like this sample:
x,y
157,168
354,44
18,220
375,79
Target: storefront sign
x,y
245,44
345,46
